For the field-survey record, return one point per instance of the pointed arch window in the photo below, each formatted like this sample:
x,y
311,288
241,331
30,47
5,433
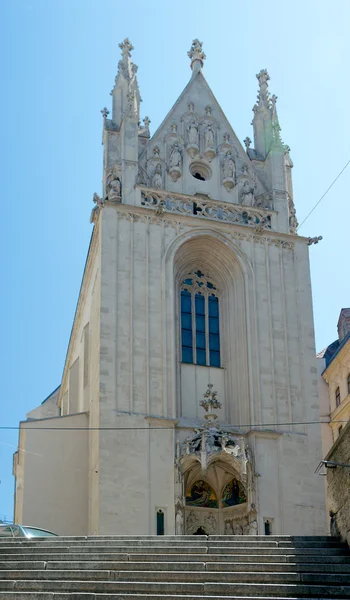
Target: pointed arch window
x,y
337,396
200,321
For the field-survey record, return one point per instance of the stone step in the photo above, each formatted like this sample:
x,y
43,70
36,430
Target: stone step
x,y
164,588
233,567
156,549
175,538
177,576
161,542
127,596
237,558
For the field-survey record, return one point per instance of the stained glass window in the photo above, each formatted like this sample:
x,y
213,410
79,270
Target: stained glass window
x,y
200,326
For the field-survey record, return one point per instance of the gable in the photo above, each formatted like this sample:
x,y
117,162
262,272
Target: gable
x,y
196,151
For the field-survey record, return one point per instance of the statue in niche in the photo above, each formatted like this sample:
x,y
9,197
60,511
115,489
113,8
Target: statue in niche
x,y
175,156
229,528
293,221
209,136
193,136
157,179
179,521
229,167
246,195
253,528
113,186
210,522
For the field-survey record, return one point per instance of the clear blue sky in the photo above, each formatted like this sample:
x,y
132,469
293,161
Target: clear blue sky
x,y
59,60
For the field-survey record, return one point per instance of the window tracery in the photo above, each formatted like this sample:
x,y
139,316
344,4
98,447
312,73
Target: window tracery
x,y
200,324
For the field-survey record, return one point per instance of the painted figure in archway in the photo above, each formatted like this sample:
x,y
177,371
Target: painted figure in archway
x,y
202,495
234,493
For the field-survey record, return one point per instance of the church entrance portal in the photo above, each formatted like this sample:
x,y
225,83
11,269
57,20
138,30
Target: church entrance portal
x,y
200,531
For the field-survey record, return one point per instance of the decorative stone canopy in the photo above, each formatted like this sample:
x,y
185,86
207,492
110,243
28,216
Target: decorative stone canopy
x,y
210,440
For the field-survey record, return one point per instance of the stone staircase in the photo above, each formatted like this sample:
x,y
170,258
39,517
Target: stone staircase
x,y
175,567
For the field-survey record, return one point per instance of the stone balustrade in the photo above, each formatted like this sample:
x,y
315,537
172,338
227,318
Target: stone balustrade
x,y
197,206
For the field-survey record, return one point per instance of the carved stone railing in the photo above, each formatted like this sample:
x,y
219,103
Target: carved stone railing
x,y
195,206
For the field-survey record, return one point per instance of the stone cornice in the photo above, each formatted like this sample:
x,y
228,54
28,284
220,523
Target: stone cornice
x,y
236,232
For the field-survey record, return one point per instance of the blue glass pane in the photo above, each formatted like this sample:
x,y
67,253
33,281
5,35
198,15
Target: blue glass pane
x,y
186,335
200,304
214,325
200,341
201,357
186,321
213,306
214,359
185,301
188,281
200,323
214,342
187,355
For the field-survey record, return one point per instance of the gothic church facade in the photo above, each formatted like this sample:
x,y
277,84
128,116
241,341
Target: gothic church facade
x,y
190,380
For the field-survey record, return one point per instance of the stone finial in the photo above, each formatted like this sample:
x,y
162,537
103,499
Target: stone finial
x,y
247,142
263,77
126,47
105,113
210,400
196,53
147,122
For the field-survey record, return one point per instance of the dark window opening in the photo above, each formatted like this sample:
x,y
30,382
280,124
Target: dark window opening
x,y
160,522
267,527
198,176
200,531
337,396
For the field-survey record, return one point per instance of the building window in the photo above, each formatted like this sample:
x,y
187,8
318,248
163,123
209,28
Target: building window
x,y
200,325
349,383
337,396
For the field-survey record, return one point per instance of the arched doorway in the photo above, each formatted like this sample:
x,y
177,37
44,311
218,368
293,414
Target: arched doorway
x,y
200,531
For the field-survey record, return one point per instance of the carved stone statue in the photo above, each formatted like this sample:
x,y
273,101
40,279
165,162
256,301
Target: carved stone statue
x,y
210,521
229,528
113,187
193,137
229,167
157,179
246,195
179,522
253,528
175,156
209,136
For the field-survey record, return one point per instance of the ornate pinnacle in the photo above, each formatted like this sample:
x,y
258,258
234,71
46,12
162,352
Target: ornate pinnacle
x,y
263,77
196,53
126,47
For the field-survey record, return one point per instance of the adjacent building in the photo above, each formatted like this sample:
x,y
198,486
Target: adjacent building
x,y
190,379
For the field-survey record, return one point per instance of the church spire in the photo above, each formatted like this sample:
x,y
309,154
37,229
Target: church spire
x,y
196,55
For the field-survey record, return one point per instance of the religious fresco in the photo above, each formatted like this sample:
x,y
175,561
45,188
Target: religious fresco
x,y
234,493
202,495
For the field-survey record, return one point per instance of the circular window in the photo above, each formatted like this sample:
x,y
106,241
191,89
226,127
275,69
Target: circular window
x,y
200,171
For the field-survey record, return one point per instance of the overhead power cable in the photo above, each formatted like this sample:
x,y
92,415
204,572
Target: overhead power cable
x,y
326,192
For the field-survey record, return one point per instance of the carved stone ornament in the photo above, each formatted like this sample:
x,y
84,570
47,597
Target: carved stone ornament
x,y
228,171
114,186
175,161
196,53
293,221
157,178
246,195
247,142
206,209
193,138
209,142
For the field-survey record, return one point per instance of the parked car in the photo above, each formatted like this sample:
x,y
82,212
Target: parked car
x,y
23,531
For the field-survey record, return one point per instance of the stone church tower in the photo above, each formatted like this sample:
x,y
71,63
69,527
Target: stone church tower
x,y
192,357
